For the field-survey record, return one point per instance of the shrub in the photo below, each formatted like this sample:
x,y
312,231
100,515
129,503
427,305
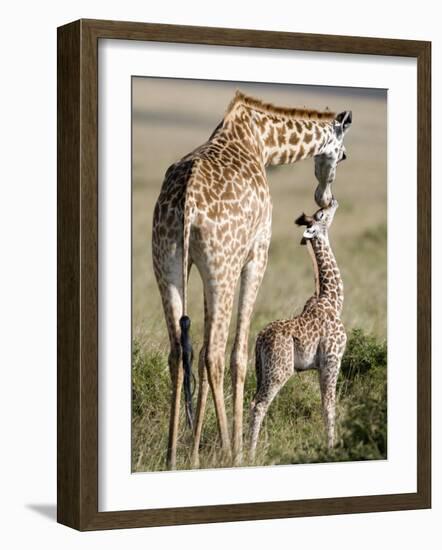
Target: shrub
x,y
150,382
362,354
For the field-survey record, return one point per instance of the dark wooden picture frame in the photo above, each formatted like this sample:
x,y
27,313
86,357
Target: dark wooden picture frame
x,y
77,225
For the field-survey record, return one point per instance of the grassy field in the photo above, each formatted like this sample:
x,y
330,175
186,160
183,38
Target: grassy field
x,y
170,119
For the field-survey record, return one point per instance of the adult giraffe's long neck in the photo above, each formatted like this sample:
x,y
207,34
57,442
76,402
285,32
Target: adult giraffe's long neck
x,y
285,140
282,136
327,275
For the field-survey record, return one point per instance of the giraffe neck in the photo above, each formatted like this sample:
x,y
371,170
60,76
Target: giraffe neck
x,y
281,138
327,275
315,267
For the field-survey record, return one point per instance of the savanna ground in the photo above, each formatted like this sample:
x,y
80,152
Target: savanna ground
x,y
172,117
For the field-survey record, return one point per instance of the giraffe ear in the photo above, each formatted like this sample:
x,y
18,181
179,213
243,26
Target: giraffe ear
x,y
344,119
310,232
303,219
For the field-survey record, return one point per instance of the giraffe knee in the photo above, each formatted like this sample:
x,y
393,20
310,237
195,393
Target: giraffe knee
x,y
257,413
258,408
174,360
238,367
202,361
202,370
215,367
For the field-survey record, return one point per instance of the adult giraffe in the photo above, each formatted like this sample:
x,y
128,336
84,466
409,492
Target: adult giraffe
x,y
214,211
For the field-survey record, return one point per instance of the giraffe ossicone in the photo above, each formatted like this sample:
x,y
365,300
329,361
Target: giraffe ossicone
x,y
315,339
214,212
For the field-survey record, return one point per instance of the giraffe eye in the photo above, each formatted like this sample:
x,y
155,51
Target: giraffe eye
x,y
319,215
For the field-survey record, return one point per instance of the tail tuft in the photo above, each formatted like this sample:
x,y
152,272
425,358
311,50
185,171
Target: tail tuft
x,y
185,323
187,353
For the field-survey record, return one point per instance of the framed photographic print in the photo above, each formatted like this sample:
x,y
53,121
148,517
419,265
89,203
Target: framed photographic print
x,y
217,361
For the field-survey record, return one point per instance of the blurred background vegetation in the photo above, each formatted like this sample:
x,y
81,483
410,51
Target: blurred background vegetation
x,y
170,118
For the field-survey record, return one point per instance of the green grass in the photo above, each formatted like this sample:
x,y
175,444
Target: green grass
x,y
293,430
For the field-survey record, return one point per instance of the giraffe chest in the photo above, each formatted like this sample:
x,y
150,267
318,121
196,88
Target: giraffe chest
x,y
305,355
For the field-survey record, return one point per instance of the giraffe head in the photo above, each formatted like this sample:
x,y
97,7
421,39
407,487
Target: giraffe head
x,y
317,225
331,154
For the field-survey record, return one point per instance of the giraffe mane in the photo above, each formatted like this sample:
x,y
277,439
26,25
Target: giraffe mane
x,y
293,112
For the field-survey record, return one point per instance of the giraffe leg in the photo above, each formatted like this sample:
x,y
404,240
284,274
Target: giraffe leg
x,y
251,277
176,374
328,376
172,309
258,410
171,295
219,308
203,391
274,367
257,414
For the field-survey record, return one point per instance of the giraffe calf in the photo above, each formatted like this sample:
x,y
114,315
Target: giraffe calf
x,y
315,339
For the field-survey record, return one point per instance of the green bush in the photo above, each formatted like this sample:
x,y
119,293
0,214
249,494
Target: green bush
x,y
364,422
362,354
150,382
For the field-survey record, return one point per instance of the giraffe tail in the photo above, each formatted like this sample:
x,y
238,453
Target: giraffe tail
x,y
186,346
187,354
258,370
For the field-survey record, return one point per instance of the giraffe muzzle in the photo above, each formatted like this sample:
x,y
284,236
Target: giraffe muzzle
x,y
323,196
